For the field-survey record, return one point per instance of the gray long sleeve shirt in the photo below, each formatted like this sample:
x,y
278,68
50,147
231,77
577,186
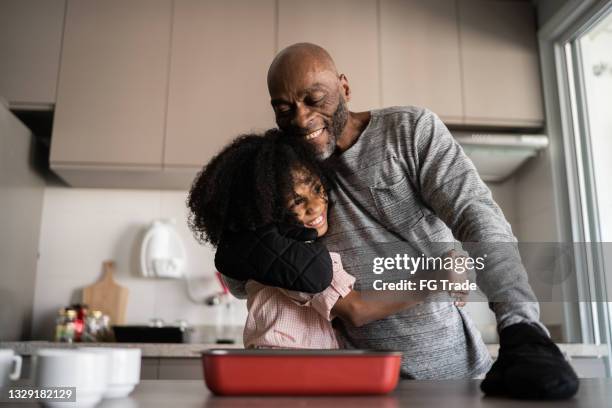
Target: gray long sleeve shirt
x,y
407,182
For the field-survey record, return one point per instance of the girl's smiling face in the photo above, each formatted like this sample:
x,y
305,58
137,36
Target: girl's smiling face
x,y
309,201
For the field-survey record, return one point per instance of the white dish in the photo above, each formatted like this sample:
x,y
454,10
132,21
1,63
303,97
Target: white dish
x,y
85,371
10,367
123,369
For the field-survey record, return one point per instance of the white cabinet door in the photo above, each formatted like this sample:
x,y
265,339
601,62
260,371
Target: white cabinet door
x,y
501,75
221,51
111,102
348,30
420,56
30,44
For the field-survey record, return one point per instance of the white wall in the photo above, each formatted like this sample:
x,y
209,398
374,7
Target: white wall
x,y
83,227
527,201
535,208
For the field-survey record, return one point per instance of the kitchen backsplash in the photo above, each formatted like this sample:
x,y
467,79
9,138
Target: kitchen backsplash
x,y
83,227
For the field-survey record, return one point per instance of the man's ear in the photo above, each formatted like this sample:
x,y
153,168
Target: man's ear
x,y
346,89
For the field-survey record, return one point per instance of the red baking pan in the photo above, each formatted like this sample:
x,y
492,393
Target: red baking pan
x,y
300,372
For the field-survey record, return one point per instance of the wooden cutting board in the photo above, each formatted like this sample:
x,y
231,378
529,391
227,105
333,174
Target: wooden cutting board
x,y
107,296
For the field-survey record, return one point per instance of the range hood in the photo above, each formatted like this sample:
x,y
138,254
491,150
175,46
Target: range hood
x,y
498,155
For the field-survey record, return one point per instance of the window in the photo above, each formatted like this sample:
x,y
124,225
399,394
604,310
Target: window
x,y
595,48
583,62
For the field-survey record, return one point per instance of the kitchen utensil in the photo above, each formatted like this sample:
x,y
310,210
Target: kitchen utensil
x,y
300,372
148,334
107,296
124,369
162,253
72,368
10,367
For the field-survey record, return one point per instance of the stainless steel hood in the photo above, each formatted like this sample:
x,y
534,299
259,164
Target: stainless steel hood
x,y
498,155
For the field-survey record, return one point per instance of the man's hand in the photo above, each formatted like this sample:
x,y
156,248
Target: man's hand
x,y
529,366
455,276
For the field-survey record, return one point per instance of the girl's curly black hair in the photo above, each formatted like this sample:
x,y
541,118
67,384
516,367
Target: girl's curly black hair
x,y
247,185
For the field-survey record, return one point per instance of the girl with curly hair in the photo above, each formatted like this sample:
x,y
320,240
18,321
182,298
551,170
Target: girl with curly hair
x,y
268,195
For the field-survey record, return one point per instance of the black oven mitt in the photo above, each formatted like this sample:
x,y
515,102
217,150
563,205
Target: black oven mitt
x,y
529,366
283,256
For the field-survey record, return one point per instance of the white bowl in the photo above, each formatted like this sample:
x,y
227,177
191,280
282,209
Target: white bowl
x,y
85,371
124,369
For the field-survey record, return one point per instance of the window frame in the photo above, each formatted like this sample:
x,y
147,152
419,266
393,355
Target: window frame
x,y
573,174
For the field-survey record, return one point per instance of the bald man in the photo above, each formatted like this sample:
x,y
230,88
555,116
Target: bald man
x,y
403,180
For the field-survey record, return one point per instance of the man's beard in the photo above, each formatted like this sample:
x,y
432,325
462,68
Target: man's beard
x,y
334,129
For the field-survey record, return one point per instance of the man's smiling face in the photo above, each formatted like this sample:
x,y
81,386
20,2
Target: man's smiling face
x,y
309,97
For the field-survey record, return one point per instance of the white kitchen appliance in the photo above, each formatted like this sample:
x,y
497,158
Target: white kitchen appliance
x,y
162,254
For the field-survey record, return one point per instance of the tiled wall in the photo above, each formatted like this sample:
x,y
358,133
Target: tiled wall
x,y
83,227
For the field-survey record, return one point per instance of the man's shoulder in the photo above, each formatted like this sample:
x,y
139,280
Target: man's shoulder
x,y
402,114
401,124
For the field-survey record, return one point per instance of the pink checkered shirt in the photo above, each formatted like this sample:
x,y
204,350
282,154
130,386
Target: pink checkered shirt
x,y
280,318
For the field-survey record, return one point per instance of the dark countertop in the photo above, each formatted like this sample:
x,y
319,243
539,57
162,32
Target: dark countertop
x,y
596,392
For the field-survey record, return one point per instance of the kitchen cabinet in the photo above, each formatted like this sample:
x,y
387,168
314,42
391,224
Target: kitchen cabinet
x,y
348,29
22,192
220,56
166,368
420,61
30,44
113,82
150,90
149,368
180,369
500,69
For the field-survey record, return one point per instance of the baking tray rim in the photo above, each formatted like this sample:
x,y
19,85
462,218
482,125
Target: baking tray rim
x,y
300,352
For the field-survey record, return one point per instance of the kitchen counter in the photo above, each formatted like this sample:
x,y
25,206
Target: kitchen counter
x,y
189,350
182,361
449,393
157,350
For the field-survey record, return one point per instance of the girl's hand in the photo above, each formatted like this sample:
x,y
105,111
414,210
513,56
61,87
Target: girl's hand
x,y
454,276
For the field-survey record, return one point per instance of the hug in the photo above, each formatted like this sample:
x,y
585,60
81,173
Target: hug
x,y
296,212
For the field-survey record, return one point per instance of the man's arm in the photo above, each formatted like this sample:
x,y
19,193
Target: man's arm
x,y
450,185
340,300
351,306
357,311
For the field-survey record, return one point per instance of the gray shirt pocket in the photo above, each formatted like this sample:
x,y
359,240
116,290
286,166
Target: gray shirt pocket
x,y
397,206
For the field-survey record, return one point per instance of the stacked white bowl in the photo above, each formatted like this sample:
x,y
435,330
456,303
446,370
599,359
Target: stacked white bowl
x,y
96,373
123,369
